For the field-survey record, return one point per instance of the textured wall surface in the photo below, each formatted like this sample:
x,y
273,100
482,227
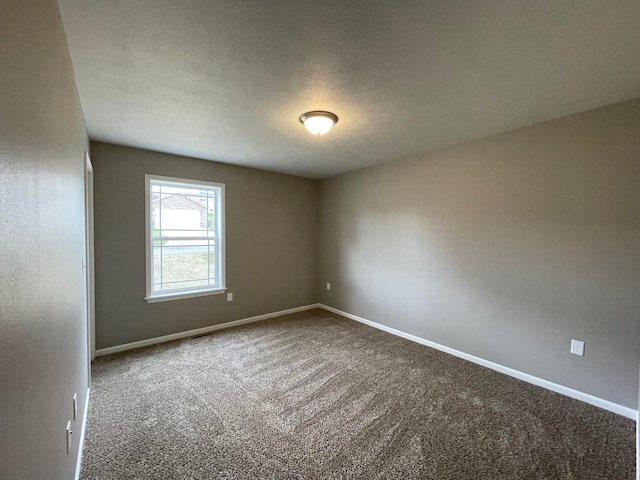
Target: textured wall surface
x,y
226,80
43,336
505,248
271,251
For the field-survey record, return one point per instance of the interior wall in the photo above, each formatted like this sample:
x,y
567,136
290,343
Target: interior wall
x,y
505,248
271,244
43,335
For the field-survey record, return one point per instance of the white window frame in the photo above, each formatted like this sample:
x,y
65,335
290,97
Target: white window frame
x,y
220,241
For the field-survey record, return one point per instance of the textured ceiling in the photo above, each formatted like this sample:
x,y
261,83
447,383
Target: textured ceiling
x,y
226,80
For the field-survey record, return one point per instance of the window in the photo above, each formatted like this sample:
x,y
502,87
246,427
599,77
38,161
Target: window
x,y
184,238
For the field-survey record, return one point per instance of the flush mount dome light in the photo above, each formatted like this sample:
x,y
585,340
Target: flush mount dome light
x,y
318,122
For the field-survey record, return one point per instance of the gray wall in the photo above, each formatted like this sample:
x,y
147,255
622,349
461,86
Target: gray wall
x,y
43,337
271,251
505,248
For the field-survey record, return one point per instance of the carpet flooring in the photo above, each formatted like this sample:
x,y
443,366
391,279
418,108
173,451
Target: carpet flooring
x,y
315,396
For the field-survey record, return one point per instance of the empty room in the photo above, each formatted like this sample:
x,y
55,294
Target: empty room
x,y
319,240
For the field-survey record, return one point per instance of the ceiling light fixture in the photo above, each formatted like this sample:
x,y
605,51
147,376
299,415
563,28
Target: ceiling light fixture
x,y
318,122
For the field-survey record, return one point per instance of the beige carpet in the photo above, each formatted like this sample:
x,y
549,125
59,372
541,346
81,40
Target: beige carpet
x,y
315,396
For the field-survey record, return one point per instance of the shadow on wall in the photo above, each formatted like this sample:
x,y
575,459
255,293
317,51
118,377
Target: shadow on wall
x,y
505,248
501,290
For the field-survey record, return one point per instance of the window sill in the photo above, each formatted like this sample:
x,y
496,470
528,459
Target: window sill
x,y
182,295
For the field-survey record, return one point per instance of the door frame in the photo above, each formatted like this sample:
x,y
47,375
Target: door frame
x,y
89,258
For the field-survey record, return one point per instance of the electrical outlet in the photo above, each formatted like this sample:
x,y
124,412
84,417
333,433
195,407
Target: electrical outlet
x,y
577,347
328,286
230,297
75,406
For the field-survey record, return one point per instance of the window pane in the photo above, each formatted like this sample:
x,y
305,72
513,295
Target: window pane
x,y
179,264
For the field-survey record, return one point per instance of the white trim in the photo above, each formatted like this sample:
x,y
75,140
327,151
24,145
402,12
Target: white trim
x,y
554,387
89,260
83,429
200,331
221,263
181,295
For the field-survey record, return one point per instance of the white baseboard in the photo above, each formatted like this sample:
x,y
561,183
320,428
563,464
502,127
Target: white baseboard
x,y
83,429
554,387
200,331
